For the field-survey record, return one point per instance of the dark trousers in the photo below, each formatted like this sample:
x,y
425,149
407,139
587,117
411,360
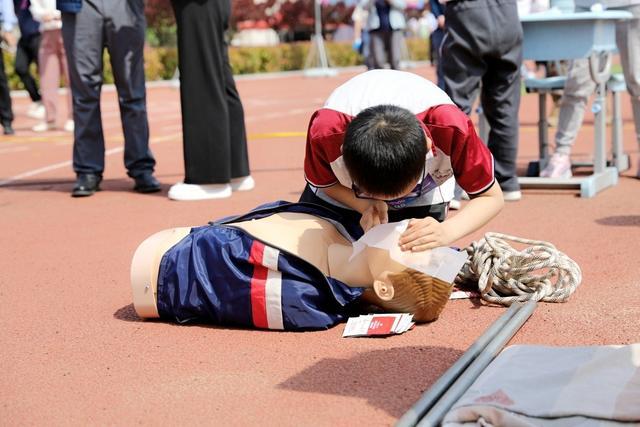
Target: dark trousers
x,y
27,54
352,218
435,40
214,136
483,49
6,113
120,26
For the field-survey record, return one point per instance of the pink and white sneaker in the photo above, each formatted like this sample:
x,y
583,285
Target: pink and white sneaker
x,y
559,166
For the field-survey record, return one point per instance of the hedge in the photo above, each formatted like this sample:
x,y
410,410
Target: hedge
x,y
161,62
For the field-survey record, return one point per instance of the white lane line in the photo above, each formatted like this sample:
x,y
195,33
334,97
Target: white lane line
x,y
67,163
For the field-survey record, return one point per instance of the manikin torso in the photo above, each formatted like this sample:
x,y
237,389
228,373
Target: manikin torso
x,y
312,238
304,235
317,241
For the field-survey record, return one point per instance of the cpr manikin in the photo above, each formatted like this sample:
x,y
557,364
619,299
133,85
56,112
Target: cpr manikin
x,y
265,262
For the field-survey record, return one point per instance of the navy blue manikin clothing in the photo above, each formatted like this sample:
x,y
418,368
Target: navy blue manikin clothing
x,y
223,275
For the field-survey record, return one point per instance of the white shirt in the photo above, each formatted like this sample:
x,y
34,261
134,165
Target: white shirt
x,y
41,8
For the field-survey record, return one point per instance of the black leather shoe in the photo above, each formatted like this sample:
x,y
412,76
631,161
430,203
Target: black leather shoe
x,y
146,184
86,185
7,129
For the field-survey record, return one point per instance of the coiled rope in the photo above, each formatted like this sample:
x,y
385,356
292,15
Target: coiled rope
x,y
506,275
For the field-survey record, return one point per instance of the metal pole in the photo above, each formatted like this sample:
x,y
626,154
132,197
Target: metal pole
x,y
430,397
317,48
466,379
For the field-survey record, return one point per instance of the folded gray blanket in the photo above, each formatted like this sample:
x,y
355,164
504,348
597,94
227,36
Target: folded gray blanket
x,y
554,386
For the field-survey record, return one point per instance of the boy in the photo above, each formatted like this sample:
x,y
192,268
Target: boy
x,y
390,145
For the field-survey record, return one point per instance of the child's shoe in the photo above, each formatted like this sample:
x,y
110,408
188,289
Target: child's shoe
x,y
559,167
182,191
44,127
512,196
36,111
244,183
69,125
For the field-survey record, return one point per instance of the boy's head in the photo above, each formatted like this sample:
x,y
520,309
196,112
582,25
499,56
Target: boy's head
x,y
384,151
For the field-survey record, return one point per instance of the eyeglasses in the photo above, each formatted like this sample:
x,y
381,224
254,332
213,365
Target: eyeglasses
x,y
400,201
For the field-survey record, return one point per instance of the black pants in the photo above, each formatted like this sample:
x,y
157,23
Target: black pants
x,y
214,135
6,113
352,218
27,54
483,49
120,26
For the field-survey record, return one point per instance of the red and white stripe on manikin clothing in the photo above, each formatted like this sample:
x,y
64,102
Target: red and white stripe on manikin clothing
x,y
266,287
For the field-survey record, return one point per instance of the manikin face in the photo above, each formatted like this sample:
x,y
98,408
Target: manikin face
x,y
381,265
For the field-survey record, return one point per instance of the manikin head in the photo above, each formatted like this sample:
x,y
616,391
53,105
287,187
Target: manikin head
x,y
384,150
403,289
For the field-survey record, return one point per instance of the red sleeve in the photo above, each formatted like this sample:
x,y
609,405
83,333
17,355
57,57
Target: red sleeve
x,y
324,145
453,132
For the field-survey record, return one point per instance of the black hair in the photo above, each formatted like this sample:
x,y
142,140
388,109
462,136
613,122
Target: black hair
x,y
384,150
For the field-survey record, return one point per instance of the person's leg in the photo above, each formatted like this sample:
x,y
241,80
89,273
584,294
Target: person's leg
x,y
395,48
64,71
628,41
377,49
436,42
501,94
124,33
204,98
6,112
49,73
83,42
462,63
578,88
27,53
237,130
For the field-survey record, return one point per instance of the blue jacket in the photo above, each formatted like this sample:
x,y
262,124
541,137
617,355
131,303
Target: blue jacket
x,y
71,6
28,26
221,274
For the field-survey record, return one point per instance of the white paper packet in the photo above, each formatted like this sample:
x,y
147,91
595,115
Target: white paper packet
x,y
442,263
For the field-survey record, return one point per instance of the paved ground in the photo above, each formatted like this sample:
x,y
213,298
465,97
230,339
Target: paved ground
x,y
74,352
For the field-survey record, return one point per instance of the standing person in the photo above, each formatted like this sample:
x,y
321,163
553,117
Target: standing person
x,y
482,50
7,18
436,37
580,86
361,42
214,136
386,24
87,27
52,63
27,54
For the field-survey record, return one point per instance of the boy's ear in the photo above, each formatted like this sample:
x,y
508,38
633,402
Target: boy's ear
x,y
383,290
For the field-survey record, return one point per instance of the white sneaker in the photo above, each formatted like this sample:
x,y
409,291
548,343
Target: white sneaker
x,y
244,183
182,191
454,204
36,111
43,127
512,196
69,126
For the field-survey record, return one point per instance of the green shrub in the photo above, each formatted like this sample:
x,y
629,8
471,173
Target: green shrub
x,y
161,62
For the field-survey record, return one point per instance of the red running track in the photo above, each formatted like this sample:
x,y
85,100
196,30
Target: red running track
x,y
74,352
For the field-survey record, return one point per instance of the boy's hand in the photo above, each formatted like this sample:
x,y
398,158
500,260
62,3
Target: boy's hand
x,y
424,233
375,214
